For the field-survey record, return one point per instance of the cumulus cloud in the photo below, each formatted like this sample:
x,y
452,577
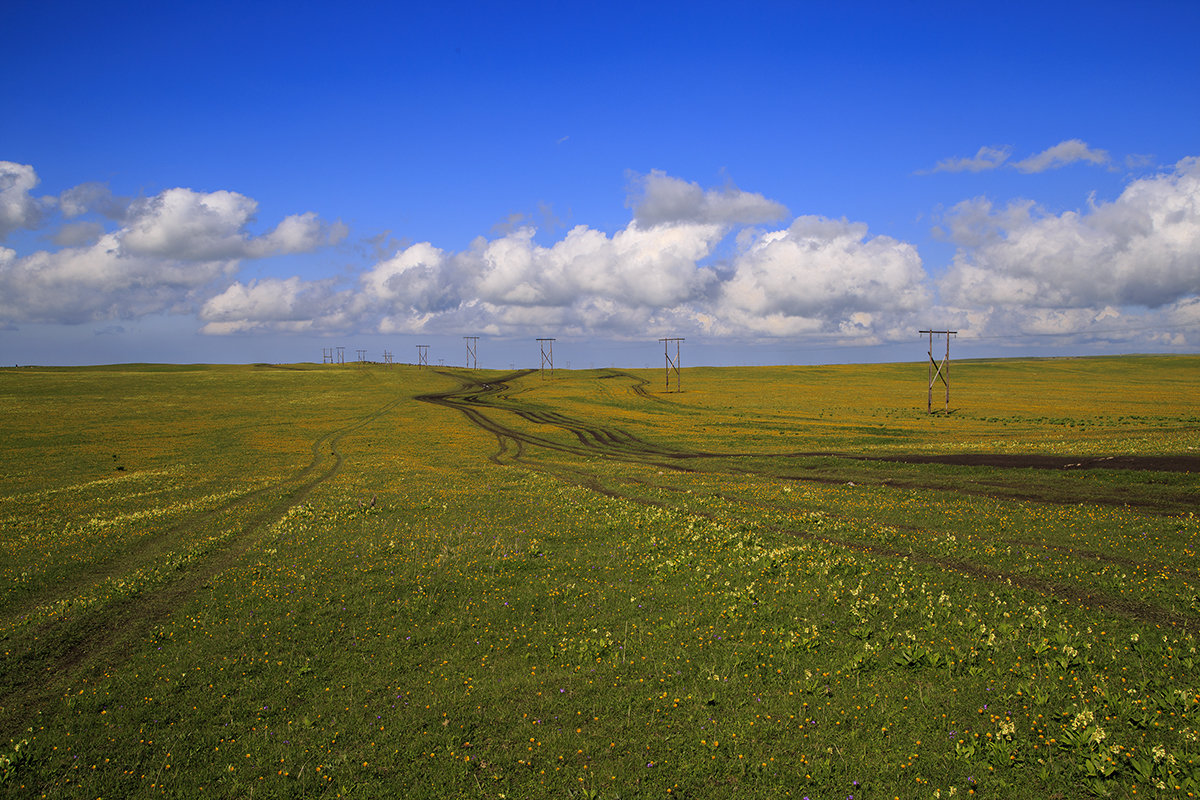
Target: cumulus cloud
x,y
18,208
291,305
98,282
823,275
420,279
169,247
204,226
92,197
658,198
75,234
1141,249
581,275
657,275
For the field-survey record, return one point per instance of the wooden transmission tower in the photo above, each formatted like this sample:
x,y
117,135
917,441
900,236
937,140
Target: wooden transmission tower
x,y
422,356
672,365
472,344
939,370
547,356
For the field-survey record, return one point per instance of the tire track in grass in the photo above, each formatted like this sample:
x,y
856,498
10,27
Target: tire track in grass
x,y
1143,612
473,397
63,650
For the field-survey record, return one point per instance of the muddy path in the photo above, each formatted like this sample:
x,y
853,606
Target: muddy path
x,y
989,474
485,404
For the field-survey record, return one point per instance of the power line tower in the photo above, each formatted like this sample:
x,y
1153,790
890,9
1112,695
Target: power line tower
x,y
472,343
362,356
387,356
547,356
326,355
672,366
341,355
422,356
937,370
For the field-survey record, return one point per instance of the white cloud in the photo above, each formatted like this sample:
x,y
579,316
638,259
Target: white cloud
x,y
1062,154
637,266
197,226
1098,328
171,246
77,234
1141,249
823,275
419,279
18,208
88,197
986,158
290,305
98,282
650,278
658,198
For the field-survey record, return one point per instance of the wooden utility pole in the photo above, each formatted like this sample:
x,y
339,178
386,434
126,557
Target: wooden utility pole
x,y
672,365
547,356
422,356
937,370
472,343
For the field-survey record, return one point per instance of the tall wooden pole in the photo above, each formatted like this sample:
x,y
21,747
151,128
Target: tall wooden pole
x,y
936,370
670,365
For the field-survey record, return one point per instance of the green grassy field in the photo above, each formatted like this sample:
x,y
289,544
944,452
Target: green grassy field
x,y
368,581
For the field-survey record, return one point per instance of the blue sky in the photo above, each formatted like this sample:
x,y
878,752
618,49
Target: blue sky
x,y
776,182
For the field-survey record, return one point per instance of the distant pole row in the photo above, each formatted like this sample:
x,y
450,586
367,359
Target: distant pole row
x,y
337,355
937,370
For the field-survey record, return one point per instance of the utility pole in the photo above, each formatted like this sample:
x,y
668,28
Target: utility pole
x,y
937,370
672,365
341,355
362,356
472,344
547,356
387,356
422,356
326,355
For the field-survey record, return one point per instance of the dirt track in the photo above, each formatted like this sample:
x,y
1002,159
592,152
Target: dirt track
x,y
63,649
473,399
484,403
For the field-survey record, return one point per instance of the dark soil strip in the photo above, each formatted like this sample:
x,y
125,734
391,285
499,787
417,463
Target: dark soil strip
x,y
1173,463
597,442
473,398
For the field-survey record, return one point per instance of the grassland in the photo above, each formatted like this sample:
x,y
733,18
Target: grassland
x,y
318,581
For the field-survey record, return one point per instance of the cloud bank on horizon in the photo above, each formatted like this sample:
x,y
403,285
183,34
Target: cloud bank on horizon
x,y
711,262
